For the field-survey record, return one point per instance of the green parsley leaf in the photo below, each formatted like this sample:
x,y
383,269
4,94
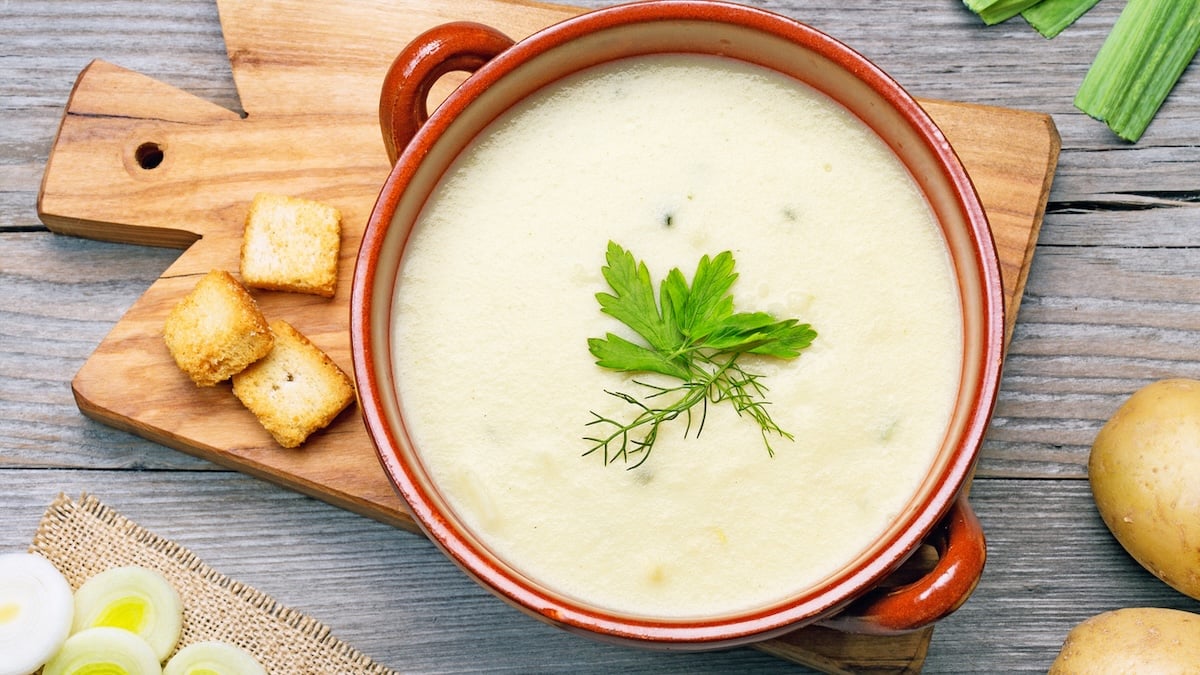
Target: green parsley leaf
x,y
692,334
633,303
617,353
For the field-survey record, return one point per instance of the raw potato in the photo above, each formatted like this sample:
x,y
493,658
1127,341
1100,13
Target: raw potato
x,y
1132,640
1145,475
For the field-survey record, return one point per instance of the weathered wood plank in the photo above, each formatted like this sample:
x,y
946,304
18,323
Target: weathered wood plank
x,y
59,296
392,595
300,90
1110,305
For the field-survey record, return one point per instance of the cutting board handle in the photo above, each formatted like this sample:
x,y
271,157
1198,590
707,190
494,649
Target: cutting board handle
x,y
404,101
962,551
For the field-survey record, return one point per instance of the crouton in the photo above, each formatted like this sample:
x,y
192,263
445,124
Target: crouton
x,y
295,390
216,330
291,244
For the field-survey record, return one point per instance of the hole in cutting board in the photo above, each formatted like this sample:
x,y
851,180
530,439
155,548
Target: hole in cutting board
x,y
148,155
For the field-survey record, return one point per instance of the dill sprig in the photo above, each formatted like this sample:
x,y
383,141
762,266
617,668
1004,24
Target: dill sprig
x,y
692,334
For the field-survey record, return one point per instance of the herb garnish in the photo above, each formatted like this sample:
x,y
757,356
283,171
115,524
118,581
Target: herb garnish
x,y
692,334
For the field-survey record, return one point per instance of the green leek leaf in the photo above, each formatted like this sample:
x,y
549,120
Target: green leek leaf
x,y
1050,17
995,11
1148,49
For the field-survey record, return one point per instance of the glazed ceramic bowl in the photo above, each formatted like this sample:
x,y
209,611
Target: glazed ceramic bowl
x,y
864,596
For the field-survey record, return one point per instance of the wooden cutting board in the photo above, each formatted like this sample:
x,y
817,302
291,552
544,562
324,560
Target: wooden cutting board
x,y
140,162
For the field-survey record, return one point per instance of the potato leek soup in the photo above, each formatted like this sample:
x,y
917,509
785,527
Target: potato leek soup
x,y
673,158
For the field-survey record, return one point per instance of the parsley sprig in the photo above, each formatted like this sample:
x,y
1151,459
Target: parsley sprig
x,y
693,335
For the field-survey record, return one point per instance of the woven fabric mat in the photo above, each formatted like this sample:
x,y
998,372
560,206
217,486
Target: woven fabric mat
x,y
86,537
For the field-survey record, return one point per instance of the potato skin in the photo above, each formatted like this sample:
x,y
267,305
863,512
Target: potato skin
x,y
1145,475
1132,640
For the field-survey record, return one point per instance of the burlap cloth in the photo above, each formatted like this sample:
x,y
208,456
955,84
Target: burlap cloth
x,y
86,537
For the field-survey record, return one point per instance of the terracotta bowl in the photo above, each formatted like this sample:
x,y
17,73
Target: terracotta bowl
x,y
865,596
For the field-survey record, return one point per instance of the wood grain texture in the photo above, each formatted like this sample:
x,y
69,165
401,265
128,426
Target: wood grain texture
x,y
138,161
322,136
1111,303
323,142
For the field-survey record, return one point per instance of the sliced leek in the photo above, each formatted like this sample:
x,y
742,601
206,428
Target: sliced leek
x,y
1148,49
104,651
35,612
137,599
1050,17
995,11
213,658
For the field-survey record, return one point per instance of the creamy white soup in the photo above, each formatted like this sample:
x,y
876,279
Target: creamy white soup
x,y
675,157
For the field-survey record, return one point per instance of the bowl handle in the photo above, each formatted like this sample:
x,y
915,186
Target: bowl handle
x,y
962,551
404,101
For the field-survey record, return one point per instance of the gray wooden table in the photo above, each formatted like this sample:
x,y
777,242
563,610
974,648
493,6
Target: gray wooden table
x,y
1111,304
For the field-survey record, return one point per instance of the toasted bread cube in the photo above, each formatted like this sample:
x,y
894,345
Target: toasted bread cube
x,y
216,330
295,390
291,244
